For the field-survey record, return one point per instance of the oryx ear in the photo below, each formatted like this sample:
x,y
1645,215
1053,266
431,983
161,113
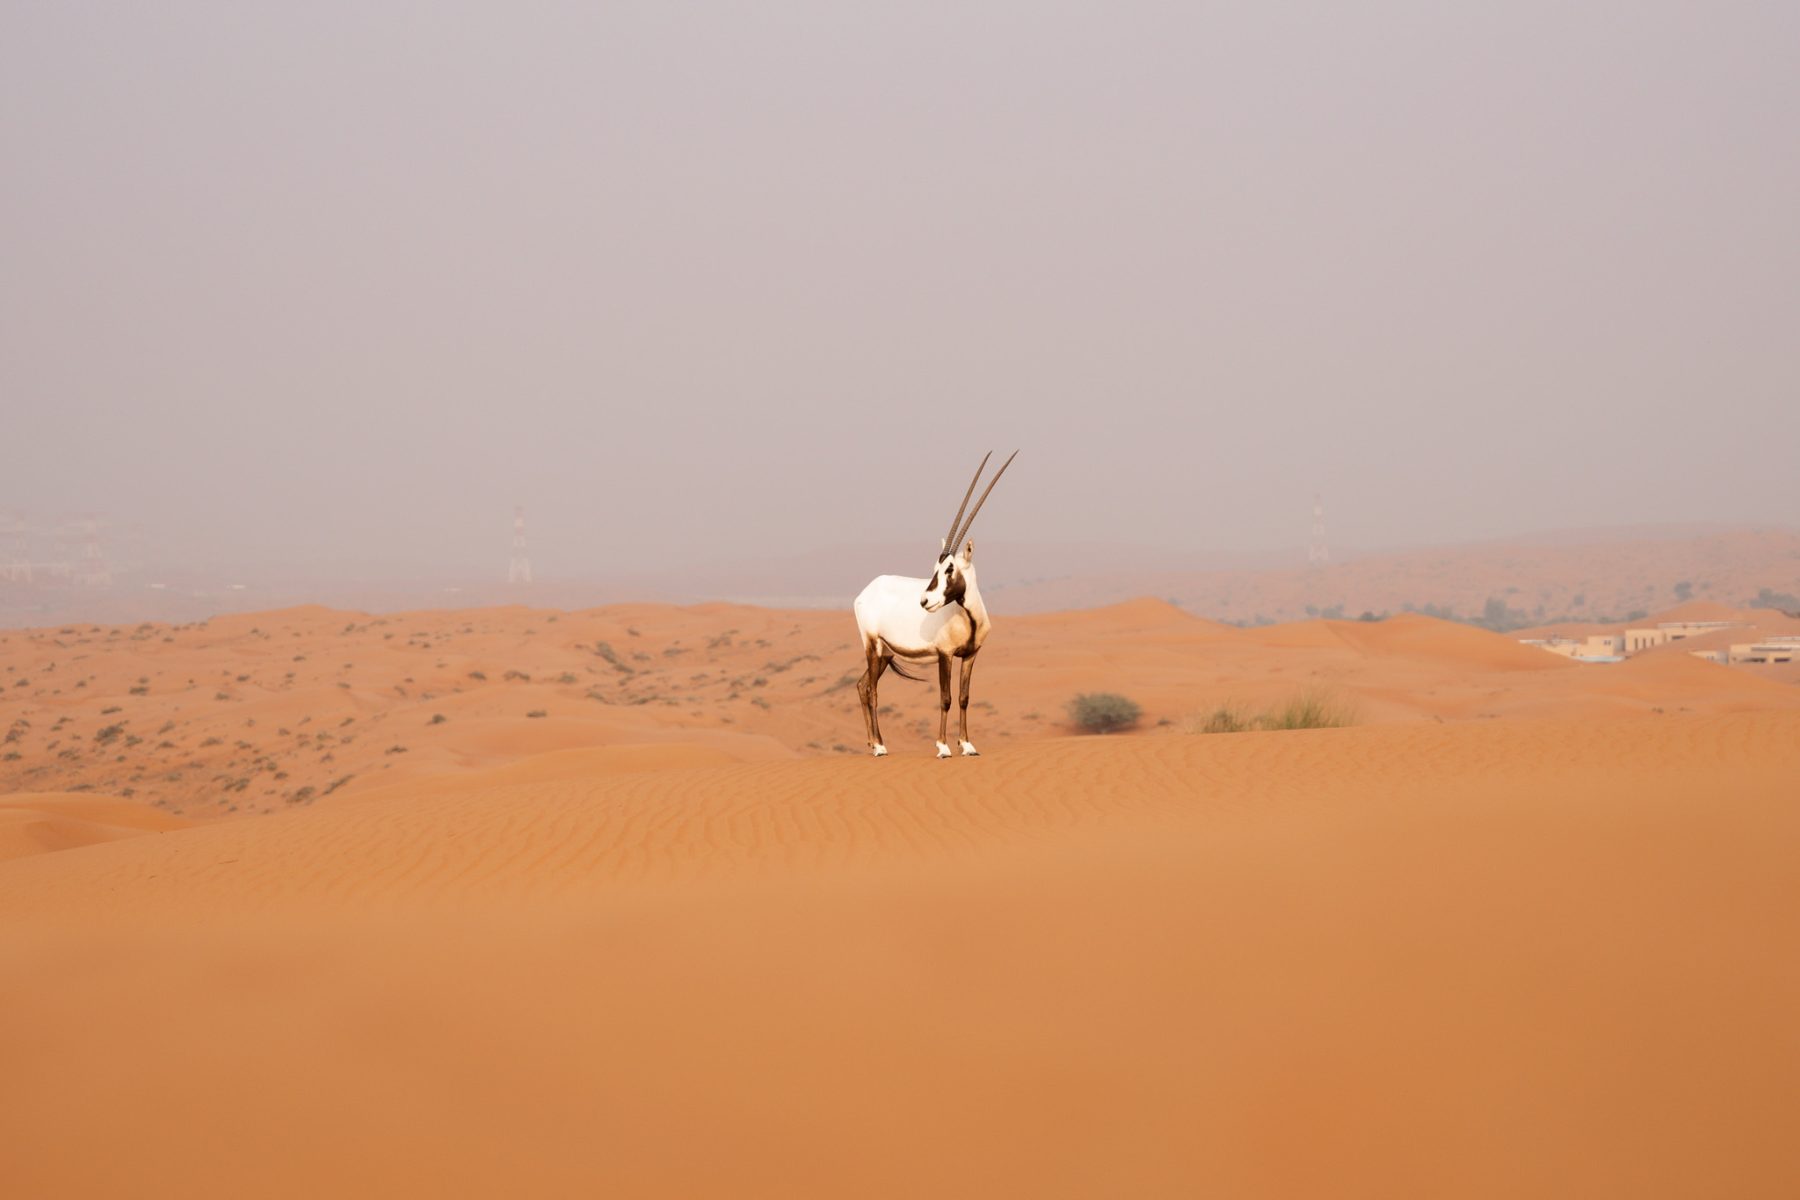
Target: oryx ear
x,y
943,548
969,551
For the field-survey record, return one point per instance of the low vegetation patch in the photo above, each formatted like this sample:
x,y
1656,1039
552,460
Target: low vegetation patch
x,y
1103,712
1227,718
1314,708
1787,602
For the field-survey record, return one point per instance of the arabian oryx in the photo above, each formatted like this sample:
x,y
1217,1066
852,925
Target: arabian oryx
x,y
939,618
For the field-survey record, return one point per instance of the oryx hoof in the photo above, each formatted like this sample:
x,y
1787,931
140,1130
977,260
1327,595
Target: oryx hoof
x,y
969,750
880,750
943,750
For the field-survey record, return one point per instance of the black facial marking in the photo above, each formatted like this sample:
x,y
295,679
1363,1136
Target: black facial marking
x,y
954,587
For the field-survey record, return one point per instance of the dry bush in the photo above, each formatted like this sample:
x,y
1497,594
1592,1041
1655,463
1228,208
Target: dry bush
x,y
1314,708
1103,712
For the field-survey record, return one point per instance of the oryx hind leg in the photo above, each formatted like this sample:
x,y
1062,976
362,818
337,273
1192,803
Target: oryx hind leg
x,y
867,691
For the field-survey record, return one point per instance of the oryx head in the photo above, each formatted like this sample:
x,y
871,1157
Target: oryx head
x,y
956,567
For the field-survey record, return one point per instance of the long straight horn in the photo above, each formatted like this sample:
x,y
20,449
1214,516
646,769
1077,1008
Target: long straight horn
x,y
950,541
956,539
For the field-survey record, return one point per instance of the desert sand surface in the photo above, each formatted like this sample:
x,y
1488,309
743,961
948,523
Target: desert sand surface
x,y
1526,928
260,712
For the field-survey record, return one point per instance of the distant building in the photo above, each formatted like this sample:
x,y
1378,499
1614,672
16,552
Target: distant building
x,y
1599,647
1782,649
1615,647
1671,631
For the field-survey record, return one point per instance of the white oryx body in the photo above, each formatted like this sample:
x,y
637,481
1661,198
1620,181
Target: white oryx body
x,y
889,612
927,620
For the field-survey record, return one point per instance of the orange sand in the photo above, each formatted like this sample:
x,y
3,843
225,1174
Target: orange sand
x,y
1526,930
267,711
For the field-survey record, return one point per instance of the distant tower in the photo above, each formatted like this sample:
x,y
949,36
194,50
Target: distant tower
x,y
519,570
89,568
1316,553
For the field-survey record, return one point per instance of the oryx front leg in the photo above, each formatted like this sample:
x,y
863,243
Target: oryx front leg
x,y
943,747
968,669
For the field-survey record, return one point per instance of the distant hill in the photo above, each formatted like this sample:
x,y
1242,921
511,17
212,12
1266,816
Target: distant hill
x,y
1577,575
1596,576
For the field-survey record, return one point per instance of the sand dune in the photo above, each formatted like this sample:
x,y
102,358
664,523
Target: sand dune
x,y
1486,959
37,824
1526,929
263,712
1607,573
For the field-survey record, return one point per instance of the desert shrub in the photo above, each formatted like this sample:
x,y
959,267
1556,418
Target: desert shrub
x,y
1315,708
478,675
1770,598
1103,712
537,712
1226,718
437,719
605,651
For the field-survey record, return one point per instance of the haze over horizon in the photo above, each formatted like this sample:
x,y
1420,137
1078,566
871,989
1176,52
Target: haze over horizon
x,y
309,288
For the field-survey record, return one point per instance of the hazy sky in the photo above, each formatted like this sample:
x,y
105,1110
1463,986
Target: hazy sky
x,y
331,285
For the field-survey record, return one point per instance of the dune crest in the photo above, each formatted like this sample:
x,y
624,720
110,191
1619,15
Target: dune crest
x,y
40,823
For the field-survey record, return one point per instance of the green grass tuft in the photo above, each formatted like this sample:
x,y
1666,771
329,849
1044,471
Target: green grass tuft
x,y
1314,708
